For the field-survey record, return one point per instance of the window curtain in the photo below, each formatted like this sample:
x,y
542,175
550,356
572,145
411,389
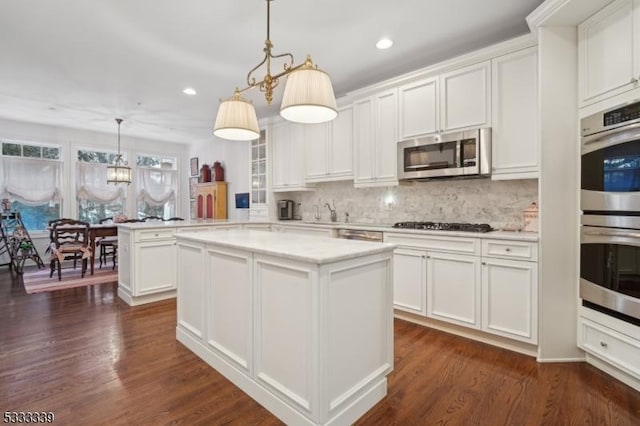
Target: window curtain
x,y
32,182
156,186
91,184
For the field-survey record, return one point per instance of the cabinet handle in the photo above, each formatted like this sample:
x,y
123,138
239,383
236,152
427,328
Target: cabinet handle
x,y
428,257
634,80
508,250
484,263
603,344
156,235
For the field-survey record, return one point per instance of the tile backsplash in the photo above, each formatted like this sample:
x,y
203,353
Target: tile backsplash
x,y
498,203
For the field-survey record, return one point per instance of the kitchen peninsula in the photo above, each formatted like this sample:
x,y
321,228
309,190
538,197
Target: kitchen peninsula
x,y
304,325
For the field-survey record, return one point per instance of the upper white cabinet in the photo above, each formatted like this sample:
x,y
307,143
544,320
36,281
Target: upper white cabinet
x,y
418,105
287,157
514,115
329,148
455,100
465,97
609,52
375,139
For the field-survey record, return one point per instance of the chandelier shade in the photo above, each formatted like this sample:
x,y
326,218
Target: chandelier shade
x,y
308,97
119,172
236,120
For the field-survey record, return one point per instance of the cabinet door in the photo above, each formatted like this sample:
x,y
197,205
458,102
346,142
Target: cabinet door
x,y
341,144
514,115
190,300
465,97
510,299
453,288
155,269
418,108
317,151
279,136
410,281
295,154
363,140
605,49
386,167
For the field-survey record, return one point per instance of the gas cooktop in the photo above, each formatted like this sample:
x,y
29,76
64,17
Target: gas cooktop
x,y
444,226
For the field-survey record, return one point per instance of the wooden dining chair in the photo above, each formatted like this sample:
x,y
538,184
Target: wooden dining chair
x,y
108,246
70,238
60,221
146,218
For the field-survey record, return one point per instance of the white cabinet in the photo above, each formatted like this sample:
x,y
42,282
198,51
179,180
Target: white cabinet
x,y
329,148
509,298
453,288
481,283
418,107
310,231
609,52
514,132
409,278
465,97
287,157
375,139
454,100
510,289
149,272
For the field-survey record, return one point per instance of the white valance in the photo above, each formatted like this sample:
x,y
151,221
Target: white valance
x,y
31,181
157,186
91,183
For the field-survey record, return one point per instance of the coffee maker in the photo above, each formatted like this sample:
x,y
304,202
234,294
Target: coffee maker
x,y
285,209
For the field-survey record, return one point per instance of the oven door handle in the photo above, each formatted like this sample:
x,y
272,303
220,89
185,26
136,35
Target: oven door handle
x,y
612,234
612,137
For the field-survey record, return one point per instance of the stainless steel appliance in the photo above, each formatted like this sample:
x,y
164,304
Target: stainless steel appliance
x,y
610,201
610,160
362,235
610,265
285,209
457,154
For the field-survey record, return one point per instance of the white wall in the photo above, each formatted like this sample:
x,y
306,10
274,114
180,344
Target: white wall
x,y
235,157
559,165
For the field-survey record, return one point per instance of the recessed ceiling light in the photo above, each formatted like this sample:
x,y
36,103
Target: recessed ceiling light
x,y
190,91
384,43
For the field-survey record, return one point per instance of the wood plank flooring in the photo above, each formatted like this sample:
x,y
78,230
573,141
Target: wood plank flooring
x,y
92,360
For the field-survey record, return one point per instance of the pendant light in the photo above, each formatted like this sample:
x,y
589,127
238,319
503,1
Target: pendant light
x,y
119,172
308,96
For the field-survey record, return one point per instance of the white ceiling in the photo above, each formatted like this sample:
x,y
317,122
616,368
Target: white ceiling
x,y
82,63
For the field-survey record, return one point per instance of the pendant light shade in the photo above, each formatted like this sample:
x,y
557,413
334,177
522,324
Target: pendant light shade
x,y
119,172
308,97
236,120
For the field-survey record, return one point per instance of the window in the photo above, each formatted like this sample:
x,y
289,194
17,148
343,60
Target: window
x,y
31,177
96,198
157,186
259,170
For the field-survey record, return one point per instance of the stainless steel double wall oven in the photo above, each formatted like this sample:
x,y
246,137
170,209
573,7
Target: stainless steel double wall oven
x,y
610,202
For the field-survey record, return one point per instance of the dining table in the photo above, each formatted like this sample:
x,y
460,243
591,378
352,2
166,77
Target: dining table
x,y
100,230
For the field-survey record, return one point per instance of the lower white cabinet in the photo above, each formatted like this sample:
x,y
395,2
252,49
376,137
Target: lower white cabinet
x,y
409,277
453,288
510,298
485,284
156,270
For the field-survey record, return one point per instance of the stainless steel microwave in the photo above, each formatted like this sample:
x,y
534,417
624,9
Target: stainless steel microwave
x,y
457,154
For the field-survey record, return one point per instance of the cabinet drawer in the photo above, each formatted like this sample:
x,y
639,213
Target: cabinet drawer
x,y
445,244
155,234
522,250
616,348
193,229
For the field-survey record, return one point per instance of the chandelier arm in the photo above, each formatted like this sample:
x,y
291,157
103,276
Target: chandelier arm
x,y
286,65
251,81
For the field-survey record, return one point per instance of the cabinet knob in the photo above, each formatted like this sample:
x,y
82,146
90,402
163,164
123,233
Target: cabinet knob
x,y
157,235
484,263
508,250
424,256
603,344
634,80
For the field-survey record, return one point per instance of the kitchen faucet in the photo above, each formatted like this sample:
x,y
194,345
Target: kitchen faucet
x,y
316,212
334,214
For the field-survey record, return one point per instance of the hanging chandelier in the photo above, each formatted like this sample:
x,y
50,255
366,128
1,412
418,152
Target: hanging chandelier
x,y
308,96
119,172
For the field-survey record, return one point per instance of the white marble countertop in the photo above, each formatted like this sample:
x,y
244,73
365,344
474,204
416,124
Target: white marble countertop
x,y
315,250
157,224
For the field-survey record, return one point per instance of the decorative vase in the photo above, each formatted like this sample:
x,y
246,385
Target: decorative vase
x,y
205,173
218,171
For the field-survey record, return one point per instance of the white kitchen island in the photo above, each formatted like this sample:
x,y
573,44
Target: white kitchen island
x,y
304,325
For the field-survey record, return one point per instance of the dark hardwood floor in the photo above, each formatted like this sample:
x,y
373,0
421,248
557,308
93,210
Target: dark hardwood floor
x,y
86,356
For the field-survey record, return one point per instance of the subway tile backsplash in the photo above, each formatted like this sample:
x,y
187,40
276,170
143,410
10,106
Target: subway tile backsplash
x,y
498,203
